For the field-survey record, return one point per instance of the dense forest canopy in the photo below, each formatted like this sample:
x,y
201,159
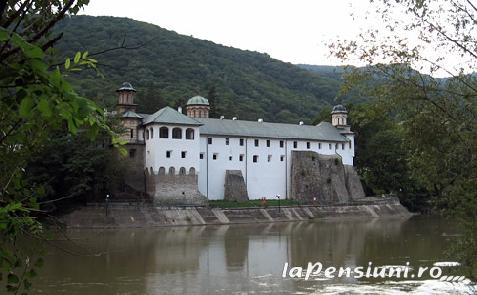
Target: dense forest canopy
x,y
168,68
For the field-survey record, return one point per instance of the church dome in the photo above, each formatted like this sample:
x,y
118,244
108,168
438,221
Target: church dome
x,y
126,87
339,108
198,100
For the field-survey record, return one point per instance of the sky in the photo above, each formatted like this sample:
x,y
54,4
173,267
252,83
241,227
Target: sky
x,y
293,31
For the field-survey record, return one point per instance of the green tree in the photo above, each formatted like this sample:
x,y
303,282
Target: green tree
x,y
438,117
35,102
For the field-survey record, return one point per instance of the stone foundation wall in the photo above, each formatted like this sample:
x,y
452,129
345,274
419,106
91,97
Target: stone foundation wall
x,y
323,179
152,216
235,188
174,189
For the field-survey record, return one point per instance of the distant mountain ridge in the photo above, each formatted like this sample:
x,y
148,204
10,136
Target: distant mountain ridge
x,y
169,68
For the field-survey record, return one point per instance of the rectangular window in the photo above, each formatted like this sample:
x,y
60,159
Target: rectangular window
x,y
209,140
342,146
255,158
295,144
269,158
336,146
282,158
168,154
241,158
132,133
201,156
215,156
256,142
227,141
350,144
268,142
308,145
319,145
329,146
183,154
230,158
241,141
281,143
132,153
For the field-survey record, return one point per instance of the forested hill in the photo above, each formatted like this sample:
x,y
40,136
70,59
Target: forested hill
x,y
169,68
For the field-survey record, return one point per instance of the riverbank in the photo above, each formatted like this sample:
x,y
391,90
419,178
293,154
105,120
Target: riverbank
x,y
127,215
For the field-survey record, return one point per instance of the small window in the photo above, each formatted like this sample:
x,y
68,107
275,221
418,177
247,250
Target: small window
x,y
209,140
350,144
183,154
329,146
255,158
336,146
182,171
308,145
241,158
132,153
147,133
168,154
201,156
269,158
163,132
152,132
215,156
230,158
227,141
256,142
241,141
282,158
281,143
295,144
342,146
177,133
132,133
319,145
268,142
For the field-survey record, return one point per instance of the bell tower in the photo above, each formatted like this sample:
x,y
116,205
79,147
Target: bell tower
x,y
126,95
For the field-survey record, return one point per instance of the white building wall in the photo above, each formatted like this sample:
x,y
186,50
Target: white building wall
x,y
156,150
263,178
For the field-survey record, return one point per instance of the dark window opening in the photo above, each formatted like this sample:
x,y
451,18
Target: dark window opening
x,y
256,142
308,145
241,141
177,133
295,144
268,142
189,133
214,156
132,153
230,158
209,140
241,158
255,158
201,156
227,141
164,132
281,143
132,133
183,155
168,154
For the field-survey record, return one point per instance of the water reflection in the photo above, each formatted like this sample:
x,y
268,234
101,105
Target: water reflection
x,y
236,258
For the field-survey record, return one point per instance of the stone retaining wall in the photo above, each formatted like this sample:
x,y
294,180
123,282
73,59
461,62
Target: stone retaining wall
x,y
152,216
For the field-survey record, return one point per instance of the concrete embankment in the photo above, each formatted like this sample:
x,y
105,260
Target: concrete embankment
x,y
124,215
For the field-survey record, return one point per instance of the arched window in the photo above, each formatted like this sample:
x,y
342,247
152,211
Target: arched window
x,y
192,171
152,171
177,133
162,171
164,132
152,132
189,133
182,171
172,171
147,133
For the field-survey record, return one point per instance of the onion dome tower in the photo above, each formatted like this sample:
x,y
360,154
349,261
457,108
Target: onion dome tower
x,y
198,107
